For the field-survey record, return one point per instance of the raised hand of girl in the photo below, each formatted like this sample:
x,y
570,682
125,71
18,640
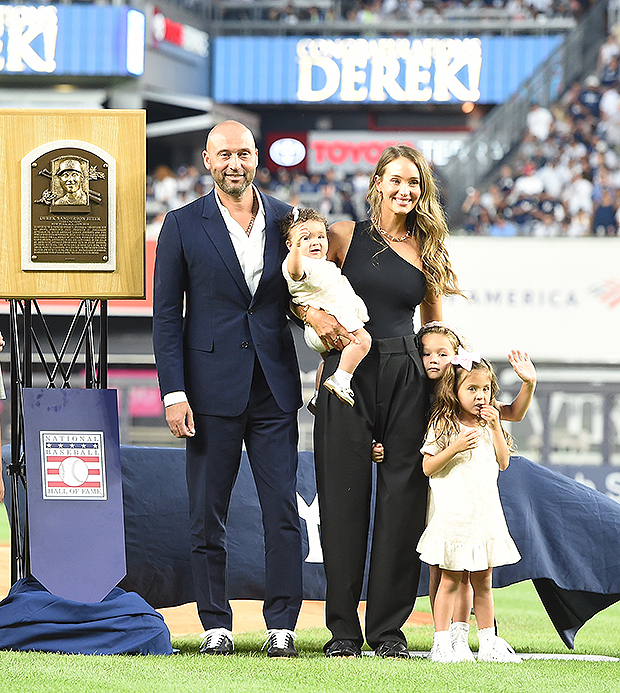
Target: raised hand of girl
x,y
522,365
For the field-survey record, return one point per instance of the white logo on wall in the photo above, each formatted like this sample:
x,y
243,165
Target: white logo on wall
x,y
20,25
73,465
413,70
287,152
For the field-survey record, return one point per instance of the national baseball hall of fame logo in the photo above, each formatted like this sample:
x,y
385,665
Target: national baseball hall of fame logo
x,y
73,465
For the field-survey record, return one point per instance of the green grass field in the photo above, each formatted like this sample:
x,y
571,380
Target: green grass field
x,y
522,621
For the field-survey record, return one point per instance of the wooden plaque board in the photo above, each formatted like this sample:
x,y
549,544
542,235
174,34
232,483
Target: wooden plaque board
x,y
119,135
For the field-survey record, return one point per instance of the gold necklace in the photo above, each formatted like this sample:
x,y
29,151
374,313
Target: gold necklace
x,y
385,234
254,212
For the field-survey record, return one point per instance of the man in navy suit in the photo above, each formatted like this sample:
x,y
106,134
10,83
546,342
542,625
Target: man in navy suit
x,y
228,374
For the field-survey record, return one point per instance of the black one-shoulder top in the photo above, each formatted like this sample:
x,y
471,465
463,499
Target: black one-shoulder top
x,y
390,286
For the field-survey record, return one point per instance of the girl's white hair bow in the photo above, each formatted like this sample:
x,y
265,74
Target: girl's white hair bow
x,y
466,359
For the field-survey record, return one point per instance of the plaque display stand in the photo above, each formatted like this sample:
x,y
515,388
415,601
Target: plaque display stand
x,y
84,346
73,218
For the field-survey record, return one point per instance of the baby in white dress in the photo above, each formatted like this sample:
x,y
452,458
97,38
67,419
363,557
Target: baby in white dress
x,y
315,281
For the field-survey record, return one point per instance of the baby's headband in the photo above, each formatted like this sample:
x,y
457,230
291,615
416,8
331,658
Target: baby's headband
x,y
295,213
466,359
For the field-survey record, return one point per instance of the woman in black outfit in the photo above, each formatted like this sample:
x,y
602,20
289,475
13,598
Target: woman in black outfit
x,y
395,261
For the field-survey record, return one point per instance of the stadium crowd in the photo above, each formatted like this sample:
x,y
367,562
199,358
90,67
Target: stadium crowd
x,y
565,178
337,197
376,11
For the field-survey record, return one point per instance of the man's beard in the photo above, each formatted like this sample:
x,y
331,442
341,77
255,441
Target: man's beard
x,y
235,190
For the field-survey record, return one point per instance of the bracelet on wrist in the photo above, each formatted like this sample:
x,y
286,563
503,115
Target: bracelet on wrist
x,y
303,312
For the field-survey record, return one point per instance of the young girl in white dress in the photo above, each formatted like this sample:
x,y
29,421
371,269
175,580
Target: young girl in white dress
x,y
315,281
464,451
439,344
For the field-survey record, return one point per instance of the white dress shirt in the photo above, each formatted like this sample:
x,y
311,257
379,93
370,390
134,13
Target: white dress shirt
x,y
250,249
250,252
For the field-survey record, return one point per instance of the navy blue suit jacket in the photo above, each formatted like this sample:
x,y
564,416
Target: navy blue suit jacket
x,y
209,352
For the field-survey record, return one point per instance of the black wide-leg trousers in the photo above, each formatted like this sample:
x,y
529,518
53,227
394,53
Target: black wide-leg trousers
x,y
391,406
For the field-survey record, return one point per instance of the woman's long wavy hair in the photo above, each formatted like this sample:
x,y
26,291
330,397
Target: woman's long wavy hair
x,y
444,419
427,220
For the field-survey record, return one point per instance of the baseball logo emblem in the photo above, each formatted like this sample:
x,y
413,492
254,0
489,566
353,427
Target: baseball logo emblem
x,y
73,471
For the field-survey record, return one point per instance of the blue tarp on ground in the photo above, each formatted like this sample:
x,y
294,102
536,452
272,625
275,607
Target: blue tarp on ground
x,y
122,623
568,536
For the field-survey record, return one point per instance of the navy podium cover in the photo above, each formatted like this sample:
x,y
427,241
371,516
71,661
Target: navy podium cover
x,y
75,503
71,603
122,623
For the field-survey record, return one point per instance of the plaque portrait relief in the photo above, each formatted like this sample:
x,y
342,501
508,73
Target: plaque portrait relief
x,y
68,208
70,181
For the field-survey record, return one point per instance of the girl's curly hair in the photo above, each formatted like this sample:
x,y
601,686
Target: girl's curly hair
x,y
298,215
444,419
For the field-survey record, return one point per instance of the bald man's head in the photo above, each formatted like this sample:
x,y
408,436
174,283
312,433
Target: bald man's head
x,y
228,128
232,157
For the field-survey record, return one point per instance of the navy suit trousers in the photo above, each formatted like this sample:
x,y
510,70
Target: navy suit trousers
x,y
213,459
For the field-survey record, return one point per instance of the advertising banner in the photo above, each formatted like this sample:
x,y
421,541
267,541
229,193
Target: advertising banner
x,y
288,69
84,40
359,150
544,295
557,298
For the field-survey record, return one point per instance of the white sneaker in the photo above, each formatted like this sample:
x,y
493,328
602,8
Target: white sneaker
x,y
344,394
441,651
217,641
460,645
497,650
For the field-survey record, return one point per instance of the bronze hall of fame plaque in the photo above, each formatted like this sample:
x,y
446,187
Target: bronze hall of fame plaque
x,y
68,208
